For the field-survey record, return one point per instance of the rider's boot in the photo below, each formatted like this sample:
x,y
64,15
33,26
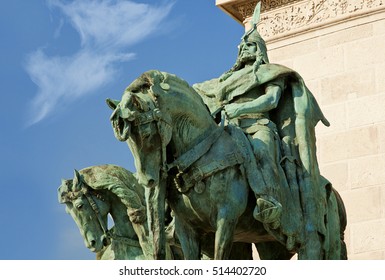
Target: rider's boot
x,y
268,211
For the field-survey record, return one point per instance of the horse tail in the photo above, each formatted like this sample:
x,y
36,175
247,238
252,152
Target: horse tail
x,y
343,223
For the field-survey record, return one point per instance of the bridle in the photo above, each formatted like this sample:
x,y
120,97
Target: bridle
x,y
187,159
89,194
143,119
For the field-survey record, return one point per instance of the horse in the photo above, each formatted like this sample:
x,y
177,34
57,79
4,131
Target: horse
x,y
90,206
182,155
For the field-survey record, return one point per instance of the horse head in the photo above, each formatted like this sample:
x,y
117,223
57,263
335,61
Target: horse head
x,y
138,120
158,116
88,209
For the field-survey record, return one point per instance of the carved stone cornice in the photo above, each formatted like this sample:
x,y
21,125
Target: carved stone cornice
x,y
242,9
281,18
310,14
245,9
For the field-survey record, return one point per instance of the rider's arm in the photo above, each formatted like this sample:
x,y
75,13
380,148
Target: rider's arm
x,y
262,104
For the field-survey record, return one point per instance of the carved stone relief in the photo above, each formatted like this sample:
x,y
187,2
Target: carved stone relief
x,y
282,17
310,13
246,8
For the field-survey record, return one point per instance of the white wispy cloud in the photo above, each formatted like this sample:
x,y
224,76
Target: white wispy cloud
x,y
107,29
64,79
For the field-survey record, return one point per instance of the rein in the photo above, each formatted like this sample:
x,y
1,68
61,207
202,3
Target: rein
x,y
188,158
150,116
71,195
110,234
121,239
185,162
95,208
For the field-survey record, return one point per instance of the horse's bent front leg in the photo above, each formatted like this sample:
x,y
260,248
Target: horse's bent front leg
x,y
224,234
141,231
189,240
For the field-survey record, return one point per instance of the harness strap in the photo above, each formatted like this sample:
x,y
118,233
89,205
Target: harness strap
x,y
198,173
126,240
147,117
192,155
95,208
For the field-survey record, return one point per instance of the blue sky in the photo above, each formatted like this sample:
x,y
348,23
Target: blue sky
x,y
59,61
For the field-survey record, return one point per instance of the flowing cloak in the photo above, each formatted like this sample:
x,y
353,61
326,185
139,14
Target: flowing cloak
x,y
119,181
296,116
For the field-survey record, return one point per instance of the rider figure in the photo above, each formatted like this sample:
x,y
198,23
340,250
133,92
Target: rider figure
x,y
251,112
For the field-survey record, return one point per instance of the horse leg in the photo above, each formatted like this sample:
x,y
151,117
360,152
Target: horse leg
x,y
189,240
224,234
273,250
141,231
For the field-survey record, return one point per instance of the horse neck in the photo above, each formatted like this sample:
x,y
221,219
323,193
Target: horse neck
x,y
122,224
191,124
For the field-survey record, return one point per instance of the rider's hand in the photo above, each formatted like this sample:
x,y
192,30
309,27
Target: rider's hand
x,y
232,110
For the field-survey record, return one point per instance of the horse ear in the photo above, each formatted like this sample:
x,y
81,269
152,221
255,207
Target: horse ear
x,y
77,174
77,180
112,103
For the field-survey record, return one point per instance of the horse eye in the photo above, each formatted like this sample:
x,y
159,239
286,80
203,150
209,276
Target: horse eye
x,y
80,206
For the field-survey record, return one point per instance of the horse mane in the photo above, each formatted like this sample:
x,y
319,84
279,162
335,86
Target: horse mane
x,y
113,178
159,83
118,181
65,191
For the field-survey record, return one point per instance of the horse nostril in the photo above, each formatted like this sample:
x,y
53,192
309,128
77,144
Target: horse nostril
x,y
92,243
105,241
150,183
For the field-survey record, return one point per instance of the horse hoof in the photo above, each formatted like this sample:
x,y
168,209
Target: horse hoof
x,y
290,243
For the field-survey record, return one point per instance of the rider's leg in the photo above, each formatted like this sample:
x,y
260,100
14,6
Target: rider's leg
x,y
268,209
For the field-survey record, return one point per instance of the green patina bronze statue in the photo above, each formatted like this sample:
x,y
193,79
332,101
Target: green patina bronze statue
x,y
208,171
273,106
263,141
233,159
98,191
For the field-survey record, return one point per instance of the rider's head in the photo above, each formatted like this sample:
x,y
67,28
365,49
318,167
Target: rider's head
x,y
252,44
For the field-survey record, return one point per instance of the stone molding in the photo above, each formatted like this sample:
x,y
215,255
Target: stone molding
x,y
242,9
282,18
245,8
308,15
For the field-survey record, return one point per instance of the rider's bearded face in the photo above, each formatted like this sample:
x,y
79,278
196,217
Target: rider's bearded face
x,y
247,52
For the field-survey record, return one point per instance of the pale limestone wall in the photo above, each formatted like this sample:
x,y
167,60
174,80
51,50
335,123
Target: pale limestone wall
x,y
343,63
345,70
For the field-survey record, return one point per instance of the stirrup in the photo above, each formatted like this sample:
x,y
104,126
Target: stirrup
x,y
268,212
